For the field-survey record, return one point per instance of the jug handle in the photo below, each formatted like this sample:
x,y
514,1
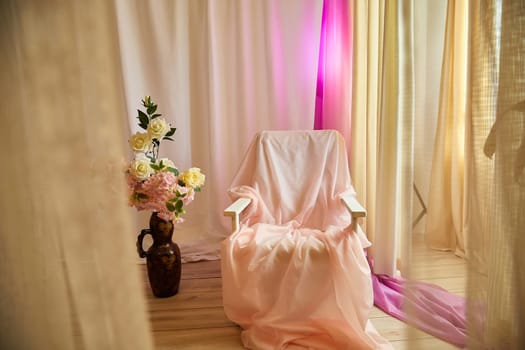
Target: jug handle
x,y
140,238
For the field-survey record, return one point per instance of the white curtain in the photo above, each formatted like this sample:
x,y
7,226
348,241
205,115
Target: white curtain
x,y
68,278
381,150
220,71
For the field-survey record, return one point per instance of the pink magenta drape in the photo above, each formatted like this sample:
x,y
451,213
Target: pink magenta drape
x,y
432,309
426,306
334,73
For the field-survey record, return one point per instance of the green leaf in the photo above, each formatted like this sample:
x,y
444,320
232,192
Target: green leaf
x,y
143,118
178,205
155,166
143,126
174,171
197,189
155,116
171,132
152,109
170,206
161,165
136,196
168,138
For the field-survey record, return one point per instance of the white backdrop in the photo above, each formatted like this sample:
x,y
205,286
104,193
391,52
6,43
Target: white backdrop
x,y
220,72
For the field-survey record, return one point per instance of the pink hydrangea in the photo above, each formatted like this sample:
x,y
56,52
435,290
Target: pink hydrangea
x,y
154,192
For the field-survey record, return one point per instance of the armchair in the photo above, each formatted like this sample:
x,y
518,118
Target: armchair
x,y
294,270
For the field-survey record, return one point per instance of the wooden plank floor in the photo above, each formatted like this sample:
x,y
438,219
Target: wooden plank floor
x,y
194,318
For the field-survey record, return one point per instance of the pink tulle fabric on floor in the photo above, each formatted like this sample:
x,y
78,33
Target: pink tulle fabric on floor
x,y
295,276
432,308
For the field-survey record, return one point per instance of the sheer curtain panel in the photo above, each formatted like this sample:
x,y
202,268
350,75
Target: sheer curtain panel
x,y
68,279
496,127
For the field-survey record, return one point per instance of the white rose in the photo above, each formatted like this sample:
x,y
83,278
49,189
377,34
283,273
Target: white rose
x,y
158,128
193,178
166,163
140,168
140,142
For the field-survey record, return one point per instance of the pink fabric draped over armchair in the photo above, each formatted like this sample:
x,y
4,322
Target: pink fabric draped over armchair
x,y
295,274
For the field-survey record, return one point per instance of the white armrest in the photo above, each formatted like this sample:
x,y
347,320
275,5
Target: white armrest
x,y
235,210
354,207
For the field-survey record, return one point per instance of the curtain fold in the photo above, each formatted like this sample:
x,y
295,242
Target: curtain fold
x,y
368,38
333,102
429,36
445,224
68,279
395,148
249,66
381,146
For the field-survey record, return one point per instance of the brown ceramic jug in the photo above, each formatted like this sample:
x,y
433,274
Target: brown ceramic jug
x,y
163,257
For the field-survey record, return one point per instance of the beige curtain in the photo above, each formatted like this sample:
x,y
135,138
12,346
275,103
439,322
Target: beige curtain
x,y
220,71
445,224
381,150
429,36
68,279
496,283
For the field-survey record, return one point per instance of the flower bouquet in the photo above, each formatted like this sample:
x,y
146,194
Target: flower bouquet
x,y
155,183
